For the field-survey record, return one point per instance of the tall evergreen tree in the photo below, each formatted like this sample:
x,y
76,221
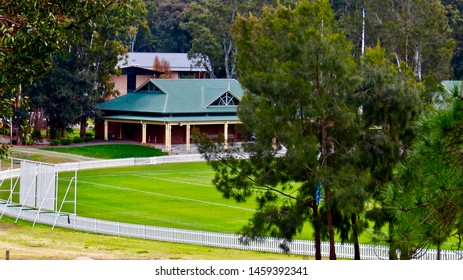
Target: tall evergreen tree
x,y
426,195
297,71
390,102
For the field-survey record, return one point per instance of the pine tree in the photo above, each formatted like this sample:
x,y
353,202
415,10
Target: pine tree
x,y
426,194
297,70
390,102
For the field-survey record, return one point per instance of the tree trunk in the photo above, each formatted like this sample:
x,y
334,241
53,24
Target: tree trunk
x,y
355,237
392,248
52,132
439,250
317,229
83,126
329,218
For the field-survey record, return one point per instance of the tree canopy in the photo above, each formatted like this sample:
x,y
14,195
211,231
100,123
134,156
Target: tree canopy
x,y
31,31
297,70
425,196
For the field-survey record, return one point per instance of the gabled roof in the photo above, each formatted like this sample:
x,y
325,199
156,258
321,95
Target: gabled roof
x,y
178,61
177,96
140,71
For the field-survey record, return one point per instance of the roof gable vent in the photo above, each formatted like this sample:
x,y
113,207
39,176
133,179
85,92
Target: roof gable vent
x,y
149,87
226,99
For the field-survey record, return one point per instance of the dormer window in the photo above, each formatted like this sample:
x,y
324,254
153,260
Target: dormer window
x,y
149,87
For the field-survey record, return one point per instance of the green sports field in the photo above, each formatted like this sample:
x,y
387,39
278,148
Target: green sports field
x,y
169,195
178,195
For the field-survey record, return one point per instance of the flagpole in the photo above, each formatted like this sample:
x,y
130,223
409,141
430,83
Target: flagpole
x,y
363,32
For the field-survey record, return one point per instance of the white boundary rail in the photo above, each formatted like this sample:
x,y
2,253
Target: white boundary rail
x,y
223,240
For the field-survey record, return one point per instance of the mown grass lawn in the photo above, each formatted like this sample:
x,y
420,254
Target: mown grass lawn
x,y
25,242
170,195
109,151
177,195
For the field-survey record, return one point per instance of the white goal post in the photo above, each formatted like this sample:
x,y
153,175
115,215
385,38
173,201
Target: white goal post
x,y
38,188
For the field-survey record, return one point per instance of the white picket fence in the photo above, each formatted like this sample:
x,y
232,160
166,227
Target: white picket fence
x,y
212,239
222,240
71,166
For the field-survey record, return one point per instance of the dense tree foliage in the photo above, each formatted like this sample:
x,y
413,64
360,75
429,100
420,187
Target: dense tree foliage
x,y
63,93
298,70
455,16
81,69
415,32
209,25
31,31
426,194
171,37
390,102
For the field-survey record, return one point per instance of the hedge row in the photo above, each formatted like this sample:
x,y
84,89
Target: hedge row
x,y
67,141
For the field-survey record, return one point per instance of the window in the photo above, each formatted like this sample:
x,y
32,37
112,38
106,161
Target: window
x,y
227,99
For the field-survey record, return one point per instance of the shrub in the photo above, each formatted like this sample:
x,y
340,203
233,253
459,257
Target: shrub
x,y
88,138
36,134
78,140
54,142
66,141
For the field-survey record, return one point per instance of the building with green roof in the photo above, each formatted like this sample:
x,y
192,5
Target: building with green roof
x,y
164,111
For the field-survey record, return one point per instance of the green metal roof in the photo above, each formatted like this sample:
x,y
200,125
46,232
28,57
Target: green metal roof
x,y
177,96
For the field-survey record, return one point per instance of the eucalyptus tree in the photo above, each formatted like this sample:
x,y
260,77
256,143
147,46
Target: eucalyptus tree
x,y
297,70
415,32
98,48
455,16
145,38
63,93
209,25
30,31
87,59
170,37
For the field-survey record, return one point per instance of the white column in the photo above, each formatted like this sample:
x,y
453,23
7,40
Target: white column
x,y
168,138
188,133
143,133
105,136
225,134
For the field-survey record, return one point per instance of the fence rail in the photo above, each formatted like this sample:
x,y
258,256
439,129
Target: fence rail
x,y
222,240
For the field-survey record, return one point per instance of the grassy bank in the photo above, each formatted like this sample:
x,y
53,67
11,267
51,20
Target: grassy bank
x,y
109,151
25,242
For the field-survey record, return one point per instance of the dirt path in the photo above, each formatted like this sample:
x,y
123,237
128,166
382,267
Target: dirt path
x,y
51,153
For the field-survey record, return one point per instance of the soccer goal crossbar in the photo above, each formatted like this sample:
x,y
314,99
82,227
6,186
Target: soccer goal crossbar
x,y
38,189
